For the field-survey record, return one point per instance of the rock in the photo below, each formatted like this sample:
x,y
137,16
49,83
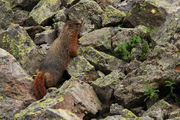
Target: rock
x,y
167,31
131,89
115,109
25,4
79,67
68,3
159,110
127,114
15,86
101,60
119,117
175,114
58,26
100,38
75,96
60,16
112,15
44,10
20,16
33,30
115,117
6,15
167,58
146,13
88,11
16,41
104,85
125,34
47,36
59,114
104,3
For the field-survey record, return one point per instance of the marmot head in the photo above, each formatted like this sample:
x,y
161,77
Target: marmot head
x,y
74,25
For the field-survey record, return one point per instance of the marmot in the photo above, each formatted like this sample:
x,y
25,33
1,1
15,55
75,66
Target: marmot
x,y
57,58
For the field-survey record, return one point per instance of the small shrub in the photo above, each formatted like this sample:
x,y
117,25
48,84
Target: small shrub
x,y
122,51
151,93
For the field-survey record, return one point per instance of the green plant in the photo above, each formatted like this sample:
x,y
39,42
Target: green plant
x,y
151,93
134,41
150,31
170,85
122,51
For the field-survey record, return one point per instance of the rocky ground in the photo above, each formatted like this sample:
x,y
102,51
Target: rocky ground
x,y
128,68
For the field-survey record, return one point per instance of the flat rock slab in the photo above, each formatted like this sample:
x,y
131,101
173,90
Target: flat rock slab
x,y
15,86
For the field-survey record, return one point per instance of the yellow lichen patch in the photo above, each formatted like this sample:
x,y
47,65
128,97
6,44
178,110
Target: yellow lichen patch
x,y
153,11
1,97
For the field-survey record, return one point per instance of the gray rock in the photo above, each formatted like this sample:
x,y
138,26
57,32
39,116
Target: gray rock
x,y
88,11
15,86
16,41
60,16
104,85
175,114
33,30
47,36
167,31
75,96
115,109
159,110
112,15
104,3
101,60
25,4
80,67
6,15
44,10
115,117
58,26
125,34
100,38
59,114
147,13
68,3
20,16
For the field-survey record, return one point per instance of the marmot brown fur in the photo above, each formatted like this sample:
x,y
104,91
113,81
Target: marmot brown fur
x,y
57,58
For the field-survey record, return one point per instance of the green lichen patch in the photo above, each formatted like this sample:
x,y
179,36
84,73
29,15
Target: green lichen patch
x,y
44,10
14,41
109,79
101,60
78,66
112,15
128,114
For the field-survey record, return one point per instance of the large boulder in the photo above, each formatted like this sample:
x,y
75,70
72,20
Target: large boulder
x,y
6,15
15,86
112,15
44,10
100,38
75,96
79,67
16,41
88,11
102,61
144,12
